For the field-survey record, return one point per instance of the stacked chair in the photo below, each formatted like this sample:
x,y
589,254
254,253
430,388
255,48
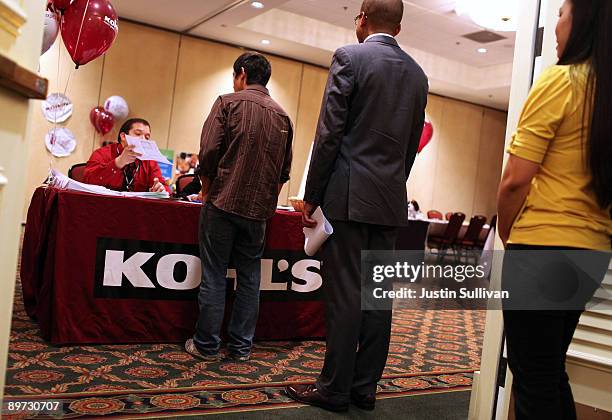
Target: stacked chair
x,y
448,240
434,214
469,246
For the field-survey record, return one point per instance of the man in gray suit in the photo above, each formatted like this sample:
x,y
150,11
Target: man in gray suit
x,y
366,142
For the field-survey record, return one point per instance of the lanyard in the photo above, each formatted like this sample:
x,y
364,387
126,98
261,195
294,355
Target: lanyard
x,y
129,173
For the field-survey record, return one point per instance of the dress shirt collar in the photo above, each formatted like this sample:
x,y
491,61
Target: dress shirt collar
x,y
379,34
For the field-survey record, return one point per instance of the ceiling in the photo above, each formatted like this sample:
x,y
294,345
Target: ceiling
x,y
310,30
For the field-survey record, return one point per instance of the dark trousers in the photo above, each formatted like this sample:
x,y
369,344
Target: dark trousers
x,y
537,342
225,237
357,342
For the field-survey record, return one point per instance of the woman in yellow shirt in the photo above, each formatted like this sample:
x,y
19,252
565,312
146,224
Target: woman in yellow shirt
x,y
556,195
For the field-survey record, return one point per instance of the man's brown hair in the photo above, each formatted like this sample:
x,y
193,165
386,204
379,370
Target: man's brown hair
x,y
127,126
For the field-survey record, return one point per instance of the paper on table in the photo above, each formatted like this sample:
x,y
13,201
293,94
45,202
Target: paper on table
x,y
59,180
315,237
146,194
148,149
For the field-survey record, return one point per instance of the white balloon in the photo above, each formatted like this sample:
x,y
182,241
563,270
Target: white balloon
x,y
117,106
51,31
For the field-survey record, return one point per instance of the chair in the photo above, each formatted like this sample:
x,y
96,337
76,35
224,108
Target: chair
x,y
434,214
449,238
448,215
470,240
182,182
77,172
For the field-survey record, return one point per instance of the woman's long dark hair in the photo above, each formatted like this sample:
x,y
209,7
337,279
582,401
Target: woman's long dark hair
x,y
591,41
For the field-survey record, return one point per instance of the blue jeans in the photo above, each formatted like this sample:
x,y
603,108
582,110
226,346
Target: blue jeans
x,y
226,237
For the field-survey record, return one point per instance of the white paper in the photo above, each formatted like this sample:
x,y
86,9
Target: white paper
x,y
148,149
145,194
59,180
315,237
305,174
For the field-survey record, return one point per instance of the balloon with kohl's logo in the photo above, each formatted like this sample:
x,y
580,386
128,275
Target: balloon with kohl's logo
x,y
89,28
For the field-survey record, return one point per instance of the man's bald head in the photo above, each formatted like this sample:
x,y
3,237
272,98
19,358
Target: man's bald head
x,y
383,14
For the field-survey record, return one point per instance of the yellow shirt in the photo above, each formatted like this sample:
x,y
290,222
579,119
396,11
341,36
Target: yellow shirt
x,y
561,209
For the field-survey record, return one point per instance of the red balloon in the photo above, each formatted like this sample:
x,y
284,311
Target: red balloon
x,y
425,136
89,28
60,5
102,121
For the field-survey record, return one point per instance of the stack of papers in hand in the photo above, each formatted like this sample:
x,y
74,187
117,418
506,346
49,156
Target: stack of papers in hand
x,y
59,180
316,236
148,149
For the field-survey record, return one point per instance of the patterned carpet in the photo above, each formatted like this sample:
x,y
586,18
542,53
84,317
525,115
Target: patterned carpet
x,y
431,351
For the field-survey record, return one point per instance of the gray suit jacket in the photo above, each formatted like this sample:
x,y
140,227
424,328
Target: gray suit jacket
x,y
368,132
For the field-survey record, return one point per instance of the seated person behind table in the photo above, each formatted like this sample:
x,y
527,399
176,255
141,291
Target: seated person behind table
x,y
416,210
116,166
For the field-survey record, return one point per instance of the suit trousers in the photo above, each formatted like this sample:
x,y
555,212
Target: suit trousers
x,y
357,341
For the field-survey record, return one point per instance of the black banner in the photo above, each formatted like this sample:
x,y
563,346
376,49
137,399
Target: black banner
x,y
135,269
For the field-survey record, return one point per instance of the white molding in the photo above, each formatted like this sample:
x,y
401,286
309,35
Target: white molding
x,y
522,69
550,16
12,17
590,360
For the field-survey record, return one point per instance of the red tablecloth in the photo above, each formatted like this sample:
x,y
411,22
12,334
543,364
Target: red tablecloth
x,y
99,269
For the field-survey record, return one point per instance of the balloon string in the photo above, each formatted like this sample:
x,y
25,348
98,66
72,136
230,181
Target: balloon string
x,y
59,62
80,31
68,81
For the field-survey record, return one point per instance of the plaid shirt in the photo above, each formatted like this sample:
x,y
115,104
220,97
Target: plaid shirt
x,y
245,150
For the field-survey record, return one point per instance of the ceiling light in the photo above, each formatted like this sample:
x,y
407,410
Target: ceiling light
x,y
257,5
265,41
482,50
497,16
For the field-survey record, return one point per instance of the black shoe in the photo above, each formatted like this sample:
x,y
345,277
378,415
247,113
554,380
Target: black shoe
x,y
365,402
309,394
240,357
